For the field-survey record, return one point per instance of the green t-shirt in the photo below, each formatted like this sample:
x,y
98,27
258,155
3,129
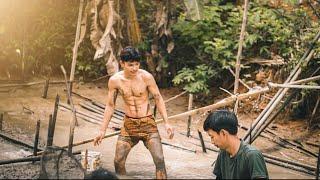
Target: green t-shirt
x,y
248,163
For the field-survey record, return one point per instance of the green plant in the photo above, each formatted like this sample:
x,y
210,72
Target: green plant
x,y
195,81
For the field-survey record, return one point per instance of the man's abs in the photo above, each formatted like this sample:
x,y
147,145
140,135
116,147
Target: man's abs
x,y
137,107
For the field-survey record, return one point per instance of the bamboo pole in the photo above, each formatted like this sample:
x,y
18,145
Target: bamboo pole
x,y
16,141
1,121
314,110
94,118
296,69
36,138
314,78
49,135
202,142
175,97
190,117
274,85
285,165
277,98
243,83
318,165
74,118
45,89
27,159
76,43
100,112
29,84
242,34
178,147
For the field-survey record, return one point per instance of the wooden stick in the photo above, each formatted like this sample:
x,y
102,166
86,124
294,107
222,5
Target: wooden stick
x,y
79,95
27,159
309,167
49,135
285,165
202,142
29,84
242,34
76,43
178,147
274,85
318,165
1,121
314,111
104,106
100,112
103,77
45,89
190,117
175,97
94,118
54,116
36,138
301,81
74,118
16,141
313,144
243,83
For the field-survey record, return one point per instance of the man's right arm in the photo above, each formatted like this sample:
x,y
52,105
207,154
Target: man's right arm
x,y
109,109
217,167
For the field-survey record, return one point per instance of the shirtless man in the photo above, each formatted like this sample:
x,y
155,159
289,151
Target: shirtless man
x,y
134,85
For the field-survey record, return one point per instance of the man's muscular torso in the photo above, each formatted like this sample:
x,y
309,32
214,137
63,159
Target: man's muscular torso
x,y
135,93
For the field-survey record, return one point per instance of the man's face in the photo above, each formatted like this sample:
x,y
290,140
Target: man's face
x,y
130,67
218,139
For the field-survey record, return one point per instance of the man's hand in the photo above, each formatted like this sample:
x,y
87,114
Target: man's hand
x,y
97,141
170,130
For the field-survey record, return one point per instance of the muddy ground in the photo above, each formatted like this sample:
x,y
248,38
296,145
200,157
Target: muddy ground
x,y
19,122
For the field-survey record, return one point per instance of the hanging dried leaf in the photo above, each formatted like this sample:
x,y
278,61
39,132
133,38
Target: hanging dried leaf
x,y
133,28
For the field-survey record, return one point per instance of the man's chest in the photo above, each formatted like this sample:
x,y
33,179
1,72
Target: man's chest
x,y
236,168
132,88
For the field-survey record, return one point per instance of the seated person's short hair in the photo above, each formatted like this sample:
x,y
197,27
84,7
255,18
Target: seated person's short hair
x,y
221,119
101,173
130,54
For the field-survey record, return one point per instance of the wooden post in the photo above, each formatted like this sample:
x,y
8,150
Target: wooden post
x,y
190,117
318,165
49,136
204,149
1,121
36,138
55,112
242,33
313,112
76,43
69,90
45,89
72,126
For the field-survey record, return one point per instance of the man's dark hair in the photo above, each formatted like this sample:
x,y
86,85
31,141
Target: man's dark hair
x,y
101,173
221,119
130,54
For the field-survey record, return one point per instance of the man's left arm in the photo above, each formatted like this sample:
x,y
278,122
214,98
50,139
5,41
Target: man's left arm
x,y
257,165
154,90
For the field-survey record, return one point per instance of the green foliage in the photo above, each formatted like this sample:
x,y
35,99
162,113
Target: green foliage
x,y
195,80
269,31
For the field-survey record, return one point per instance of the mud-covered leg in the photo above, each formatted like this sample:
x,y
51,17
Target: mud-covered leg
x,y
122,150
155,148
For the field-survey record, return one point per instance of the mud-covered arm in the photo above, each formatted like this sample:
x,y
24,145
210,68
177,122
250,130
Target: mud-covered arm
x,y
154,90
110,104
